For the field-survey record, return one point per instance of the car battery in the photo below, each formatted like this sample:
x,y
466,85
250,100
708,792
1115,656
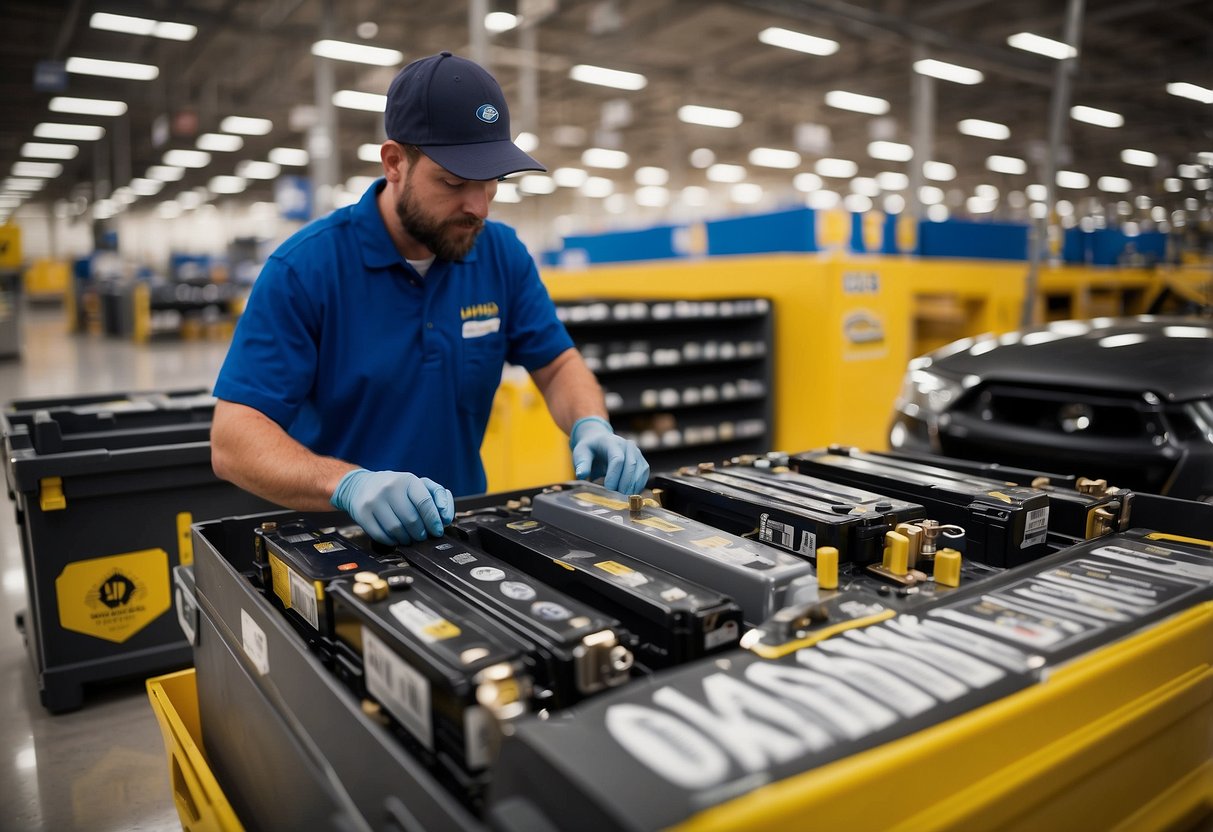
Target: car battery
x,y
1004,525
105,489
574,649
1080,508
671,619
760,578
789,510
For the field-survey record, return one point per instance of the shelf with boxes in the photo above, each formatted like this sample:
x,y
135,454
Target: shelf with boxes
x,y
680,377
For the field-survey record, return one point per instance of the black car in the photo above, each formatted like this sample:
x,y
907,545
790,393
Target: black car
x,y
1129,400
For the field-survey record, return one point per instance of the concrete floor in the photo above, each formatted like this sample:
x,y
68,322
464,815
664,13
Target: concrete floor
x,y
103,767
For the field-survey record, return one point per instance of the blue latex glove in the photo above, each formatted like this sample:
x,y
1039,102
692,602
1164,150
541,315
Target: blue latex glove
x,y
599,452
395,507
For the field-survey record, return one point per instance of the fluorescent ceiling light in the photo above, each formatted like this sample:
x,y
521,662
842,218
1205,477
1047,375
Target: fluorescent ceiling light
x,y
112,69
652,196
598,187
696,196
890,151
165,173
1173,185
497,22
13,184
601,157
708,116
1072,179
807,182
526,142
1007,164
358,53
746,193
246,126
978,205
219,142
857,203
258,170
1037,193
1194,91
702,157
87,106
1143,158
1048,47
771,157
798,41
1114,184
48,150
604,77
930,195
43,170
726,173
142,26
354,100
369,152
1188,171
123,196
71,132
190,199
865,185
1096,116
948,72
507,192
891,180
226,184
856,103
650,175
570,177
536,183
146,187
837,168
186,158
988,192
169,210
822,200
983,129
894,204
289,156
938,171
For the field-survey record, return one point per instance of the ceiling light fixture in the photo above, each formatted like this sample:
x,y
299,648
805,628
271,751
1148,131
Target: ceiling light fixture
x,y
650,175
836,168
368,152
983,129
48,150
746,193
372,102
771,157
1096,116
1072,179
41,170
288,156
71,132
1142,158
1194,91
226,184
601,157
111,69
604,77
219,143
856,103
891,180
1048,47
1114,184
246,126
356,53
86,106
708,116
258,170
570,177
498,22
186,158
726,173
939,171
807,182
165,173
798,41
129,25
1007,164
948,72
890,151
598,187
526,142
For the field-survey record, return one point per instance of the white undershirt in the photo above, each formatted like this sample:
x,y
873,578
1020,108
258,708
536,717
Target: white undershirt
x,y
422,266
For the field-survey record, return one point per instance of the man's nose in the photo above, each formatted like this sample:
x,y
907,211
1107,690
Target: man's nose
x,y
476,200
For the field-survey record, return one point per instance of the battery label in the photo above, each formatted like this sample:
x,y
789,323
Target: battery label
x,y
1003,617
477,730
626,575
1035,527
399,688
1160,560
657,523
727,633
326,546
305,537
808,544
600,500
771,531
303,598
423,622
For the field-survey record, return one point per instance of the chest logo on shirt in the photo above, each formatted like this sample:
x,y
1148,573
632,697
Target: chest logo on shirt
x,y
480,319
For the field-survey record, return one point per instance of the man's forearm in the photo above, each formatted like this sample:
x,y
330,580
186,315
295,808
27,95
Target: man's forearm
x,y
570,389
252,451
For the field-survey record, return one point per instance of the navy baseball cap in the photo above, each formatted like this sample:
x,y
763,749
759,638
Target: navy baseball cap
x,y
455,112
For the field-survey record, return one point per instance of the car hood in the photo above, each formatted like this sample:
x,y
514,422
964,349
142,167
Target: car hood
x,y
1171,357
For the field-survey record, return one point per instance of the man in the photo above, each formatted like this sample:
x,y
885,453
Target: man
x,y
363,369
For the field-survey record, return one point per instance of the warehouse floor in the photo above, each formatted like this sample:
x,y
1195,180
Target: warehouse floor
x,y
103,767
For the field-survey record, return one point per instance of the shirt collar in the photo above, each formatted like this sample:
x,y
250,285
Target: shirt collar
x,y
378,250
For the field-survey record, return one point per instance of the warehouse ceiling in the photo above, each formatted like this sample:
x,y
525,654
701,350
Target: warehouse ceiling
x,y
253,58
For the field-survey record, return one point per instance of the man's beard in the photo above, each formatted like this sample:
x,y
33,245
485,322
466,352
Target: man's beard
x,y
449,239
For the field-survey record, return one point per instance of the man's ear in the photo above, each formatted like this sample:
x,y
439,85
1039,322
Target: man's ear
x,y
395,161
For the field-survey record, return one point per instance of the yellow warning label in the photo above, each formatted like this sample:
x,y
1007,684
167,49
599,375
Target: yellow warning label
x,y
326,546
565,565
185,543
280,577
440,629
522,525
599,500
614,568
114,597
1000,496
657,523
712,542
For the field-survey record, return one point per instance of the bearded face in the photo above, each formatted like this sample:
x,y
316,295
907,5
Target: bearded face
x,y
450,238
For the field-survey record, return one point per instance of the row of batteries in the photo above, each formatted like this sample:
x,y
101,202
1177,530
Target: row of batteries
x,y
535,605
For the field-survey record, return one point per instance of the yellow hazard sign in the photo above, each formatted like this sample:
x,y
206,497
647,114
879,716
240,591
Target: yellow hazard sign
x,y
114,597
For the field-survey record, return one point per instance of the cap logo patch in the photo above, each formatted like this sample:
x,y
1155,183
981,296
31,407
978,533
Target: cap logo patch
x,y
487,113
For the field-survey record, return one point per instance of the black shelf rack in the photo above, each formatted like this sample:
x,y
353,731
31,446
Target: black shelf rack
x,y
687,380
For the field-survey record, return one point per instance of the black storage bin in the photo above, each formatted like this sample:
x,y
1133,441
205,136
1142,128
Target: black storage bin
x,y
105,491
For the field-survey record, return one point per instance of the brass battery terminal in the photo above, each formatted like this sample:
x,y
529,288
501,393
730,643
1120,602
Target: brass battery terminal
x,y
500,690
1095,488
931,531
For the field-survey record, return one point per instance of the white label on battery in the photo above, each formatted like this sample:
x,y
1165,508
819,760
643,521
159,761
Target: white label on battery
x,y
808,544
252,637
1157,562
477,725
398,687
771,531
303,598
463,557
1035,527
421,621
306,537
727,633
487,573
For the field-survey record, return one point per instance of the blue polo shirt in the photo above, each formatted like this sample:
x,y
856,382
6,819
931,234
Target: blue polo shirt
x,y
356,356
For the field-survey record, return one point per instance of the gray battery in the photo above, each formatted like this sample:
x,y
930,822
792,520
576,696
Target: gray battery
x,y
761,579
